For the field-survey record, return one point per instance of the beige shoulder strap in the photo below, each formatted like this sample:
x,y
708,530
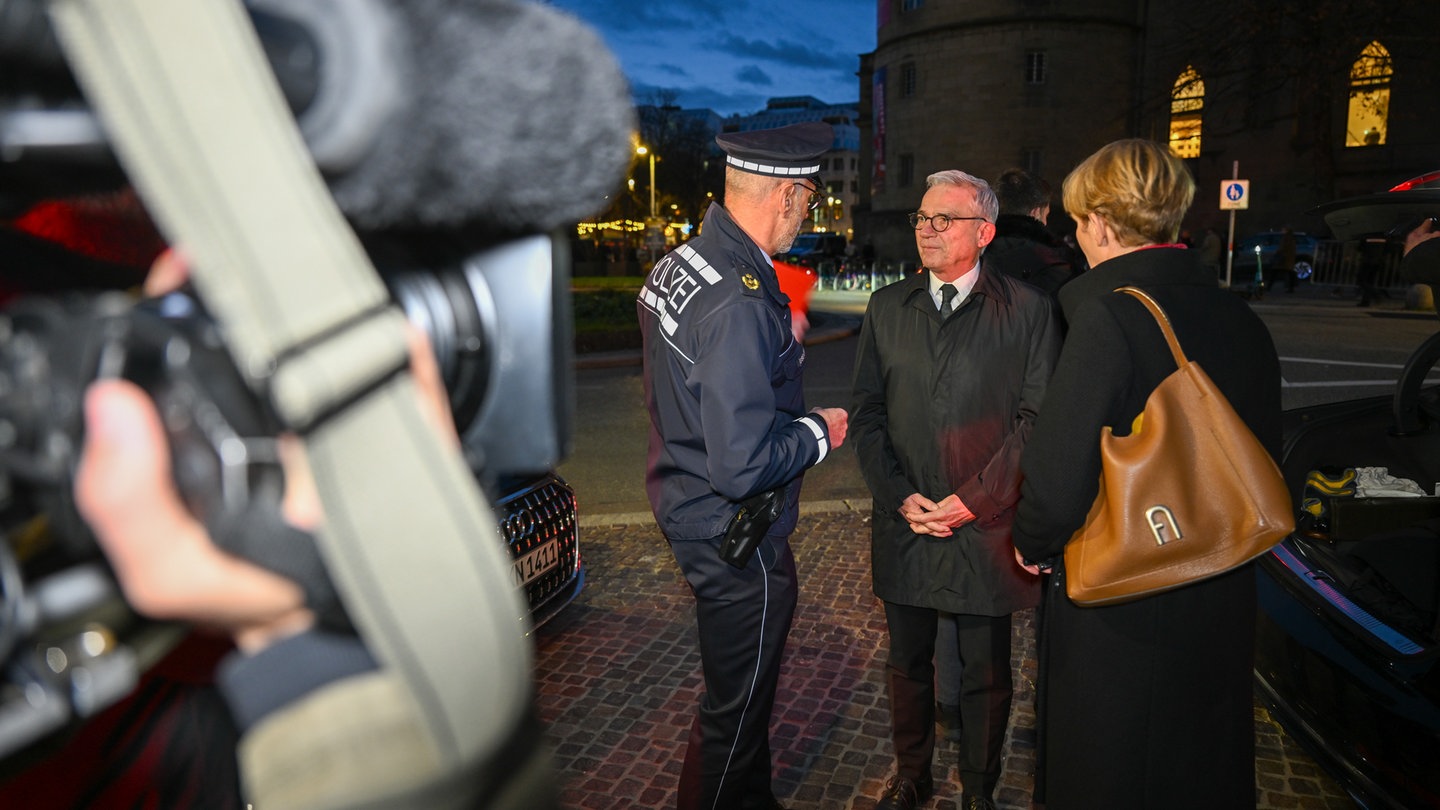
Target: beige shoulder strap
x,y
192,109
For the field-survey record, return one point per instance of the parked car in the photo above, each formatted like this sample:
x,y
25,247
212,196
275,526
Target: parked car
x,y
1390,213
812,248
540,525
1264,247
1348,645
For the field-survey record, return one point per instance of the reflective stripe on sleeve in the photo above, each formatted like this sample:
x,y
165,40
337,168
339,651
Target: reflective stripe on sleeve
x,y
813,422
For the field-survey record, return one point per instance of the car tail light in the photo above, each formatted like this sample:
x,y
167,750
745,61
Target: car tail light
x,y
1423,181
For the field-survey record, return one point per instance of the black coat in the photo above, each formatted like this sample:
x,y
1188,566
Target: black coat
x,y
1146,704
942,407
1025,249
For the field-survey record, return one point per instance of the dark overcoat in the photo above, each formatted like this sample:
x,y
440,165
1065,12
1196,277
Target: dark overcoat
x,y
1146,704
1024,248
944,406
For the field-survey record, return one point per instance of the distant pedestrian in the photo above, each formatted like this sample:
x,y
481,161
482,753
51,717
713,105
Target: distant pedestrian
x,y
1372,261
723,386
1212,247
950,371
1283,265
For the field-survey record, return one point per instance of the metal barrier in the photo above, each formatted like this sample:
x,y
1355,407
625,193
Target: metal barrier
x,y
1338,264
855,275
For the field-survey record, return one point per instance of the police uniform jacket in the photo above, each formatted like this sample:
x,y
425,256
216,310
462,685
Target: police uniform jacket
x,y
942,406
722,384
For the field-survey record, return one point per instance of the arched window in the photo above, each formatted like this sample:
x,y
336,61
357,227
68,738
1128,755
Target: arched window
x,y
1369,97
1187,107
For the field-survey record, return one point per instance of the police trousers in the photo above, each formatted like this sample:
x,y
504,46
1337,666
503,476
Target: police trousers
x,y
743,617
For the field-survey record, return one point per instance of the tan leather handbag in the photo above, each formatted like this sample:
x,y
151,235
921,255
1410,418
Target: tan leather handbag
x,y
1189,494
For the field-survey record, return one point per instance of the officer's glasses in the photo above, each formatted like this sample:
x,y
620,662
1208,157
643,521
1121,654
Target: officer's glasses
x,y
814,200
937,221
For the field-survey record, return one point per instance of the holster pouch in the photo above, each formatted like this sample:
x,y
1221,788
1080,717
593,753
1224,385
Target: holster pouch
x,y
745,531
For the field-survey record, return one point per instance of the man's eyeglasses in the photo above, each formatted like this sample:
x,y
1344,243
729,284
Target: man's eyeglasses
x,y
937,221
815,197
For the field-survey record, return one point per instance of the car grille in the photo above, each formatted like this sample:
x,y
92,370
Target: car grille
x,y
531,517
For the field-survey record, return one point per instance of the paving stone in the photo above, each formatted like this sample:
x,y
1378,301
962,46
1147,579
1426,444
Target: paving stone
x,y
618,680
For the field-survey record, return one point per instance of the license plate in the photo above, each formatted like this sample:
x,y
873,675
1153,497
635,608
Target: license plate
x,y
537,562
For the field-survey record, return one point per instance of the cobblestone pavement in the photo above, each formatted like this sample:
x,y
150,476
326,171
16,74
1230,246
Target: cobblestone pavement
x,y
618,675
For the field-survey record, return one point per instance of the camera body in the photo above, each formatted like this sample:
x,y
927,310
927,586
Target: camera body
x,y
496,315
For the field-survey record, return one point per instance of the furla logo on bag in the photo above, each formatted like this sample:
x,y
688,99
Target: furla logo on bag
x,y
1163,524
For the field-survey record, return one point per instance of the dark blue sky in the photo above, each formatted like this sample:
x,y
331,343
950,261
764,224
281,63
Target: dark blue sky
x,y
732,55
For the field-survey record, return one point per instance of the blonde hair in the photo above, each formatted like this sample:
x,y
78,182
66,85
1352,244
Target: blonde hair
x,y
1137,186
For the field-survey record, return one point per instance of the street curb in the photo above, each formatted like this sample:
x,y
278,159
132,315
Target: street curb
x,y
593,521
631,357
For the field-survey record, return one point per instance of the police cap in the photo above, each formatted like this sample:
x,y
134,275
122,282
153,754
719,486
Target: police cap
x,y
790,151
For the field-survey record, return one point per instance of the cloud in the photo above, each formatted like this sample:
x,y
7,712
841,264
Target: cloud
x,y
649,16
734,56
751,74
786,52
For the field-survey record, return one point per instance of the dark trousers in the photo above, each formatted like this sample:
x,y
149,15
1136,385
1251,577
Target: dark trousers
x,y
743,617
985,693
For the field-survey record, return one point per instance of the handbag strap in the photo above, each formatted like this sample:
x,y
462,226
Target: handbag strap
x,y
1160,318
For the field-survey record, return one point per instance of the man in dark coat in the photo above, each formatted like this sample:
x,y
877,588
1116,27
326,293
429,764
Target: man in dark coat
x,y
950,371
1023,247
728,422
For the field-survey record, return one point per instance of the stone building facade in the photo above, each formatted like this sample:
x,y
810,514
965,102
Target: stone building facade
x,y
1310,101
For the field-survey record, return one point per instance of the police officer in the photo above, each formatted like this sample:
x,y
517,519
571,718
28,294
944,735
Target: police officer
x,y
728,423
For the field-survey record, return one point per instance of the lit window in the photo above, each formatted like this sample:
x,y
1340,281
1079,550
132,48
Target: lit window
x,y
1187,108
1369,97
1035,67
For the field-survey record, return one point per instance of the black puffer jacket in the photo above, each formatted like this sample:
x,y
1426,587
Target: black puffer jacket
x,y
1025,249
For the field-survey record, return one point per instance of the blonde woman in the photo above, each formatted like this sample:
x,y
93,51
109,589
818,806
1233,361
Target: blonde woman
x,y
1145,704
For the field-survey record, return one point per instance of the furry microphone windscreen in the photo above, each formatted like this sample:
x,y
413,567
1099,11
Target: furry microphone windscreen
x,y
453,114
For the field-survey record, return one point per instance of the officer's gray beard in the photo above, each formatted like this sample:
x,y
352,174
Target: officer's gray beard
x,y
789,241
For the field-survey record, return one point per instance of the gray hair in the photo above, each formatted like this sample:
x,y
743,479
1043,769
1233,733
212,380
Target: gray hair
x,y
984,195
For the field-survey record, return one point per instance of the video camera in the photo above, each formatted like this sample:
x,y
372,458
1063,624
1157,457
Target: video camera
x,y
498,320
492,298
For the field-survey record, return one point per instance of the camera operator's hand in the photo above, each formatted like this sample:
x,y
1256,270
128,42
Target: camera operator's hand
x,y
163,557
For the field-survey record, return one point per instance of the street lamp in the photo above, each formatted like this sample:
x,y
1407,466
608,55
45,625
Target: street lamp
x,y
641,150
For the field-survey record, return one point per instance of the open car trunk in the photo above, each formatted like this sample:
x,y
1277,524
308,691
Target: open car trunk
x,y
1349,623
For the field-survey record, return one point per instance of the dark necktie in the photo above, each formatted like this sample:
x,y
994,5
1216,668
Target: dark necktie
x,y
947,298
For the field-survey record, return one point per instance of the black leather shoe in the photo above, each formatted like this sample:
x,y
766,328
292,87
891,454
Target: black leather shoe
x,y
771,803
905,794
978,803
